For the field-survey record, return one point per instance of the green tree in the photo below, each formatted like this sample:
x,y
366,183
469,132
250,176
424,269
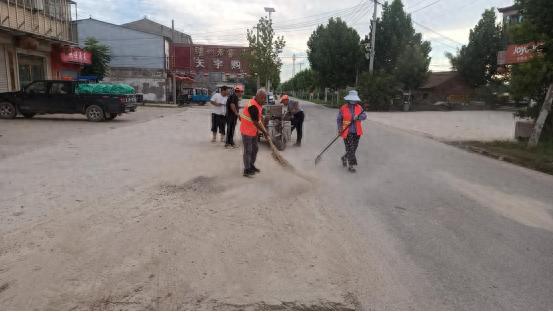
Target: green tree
x,y
305,80
477,61
335,53
533,78
101,57
411,69
394,32
264,52
378,90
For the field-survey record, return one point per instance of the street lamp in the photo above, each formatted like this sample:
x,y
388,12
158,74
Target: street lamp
x,y
270,10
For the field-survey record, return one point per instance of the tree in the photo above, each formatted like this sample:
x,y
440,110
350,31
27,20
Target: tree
x,y
477,61
532,79
101,57
335,53
377,89
264,51
305,80
394,32
411,69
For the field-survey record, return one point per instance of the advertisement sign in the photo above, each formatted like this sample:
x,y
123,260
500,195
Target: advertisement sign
x,y
76,55
519,53
212,58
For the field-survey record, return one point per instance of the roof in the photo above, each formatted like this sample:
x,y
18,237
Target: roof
x,y
90,19
436,79
507,9
148,26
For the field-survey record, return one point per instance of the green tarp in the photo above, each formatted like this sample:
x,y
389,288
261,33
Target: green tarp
x,y
105,88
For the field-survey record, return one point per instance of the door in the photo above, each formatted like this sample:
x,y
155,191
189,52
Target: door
x,y
61,98
35,98
3,71
31,68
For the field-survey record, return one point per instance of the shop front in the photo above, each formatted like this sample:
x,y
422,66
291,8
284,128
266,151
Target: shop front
x,y
67,62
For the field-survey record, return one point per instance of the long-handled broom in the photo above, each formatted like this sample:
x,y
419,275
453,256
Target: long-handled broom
x,y
276,155
320,156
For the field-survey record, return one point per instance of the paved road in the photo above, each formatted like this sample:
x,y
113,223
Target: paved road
x,y
153,216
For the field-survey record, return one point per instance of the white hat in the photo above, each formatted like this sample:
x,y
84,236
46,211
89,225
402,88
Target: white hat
x,y
353,96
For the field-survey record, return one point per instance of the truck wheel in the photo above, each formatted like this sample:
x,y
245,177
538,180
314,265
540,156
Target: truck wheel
x,y
7,110
111,116
28,115
95,113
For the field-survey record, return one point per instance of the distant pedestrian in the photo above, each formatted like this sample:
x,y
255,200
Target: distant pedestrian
x,y
251,120
233,113
297,114
218,119
349,127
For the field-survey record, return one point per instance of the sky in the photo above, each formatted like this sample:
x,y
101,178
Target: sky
x,y
445,23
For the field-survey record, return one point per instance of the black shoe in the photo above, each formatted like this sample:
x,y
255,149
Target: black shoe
x,y
352,170
344,161
298,144
255,170
248,173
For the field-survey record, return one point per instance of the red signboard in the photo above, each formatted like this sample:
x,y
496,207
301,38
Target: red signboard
x,y
212,58
520,53
76,55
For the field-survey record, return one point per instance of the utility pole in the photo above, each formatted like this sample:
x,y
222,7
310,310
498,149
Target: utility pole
x,y
294,65
173,59
257,43
269,10
301,64
373,38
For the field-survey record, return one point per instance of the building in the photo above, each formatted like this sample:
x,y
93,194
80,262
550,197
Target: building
x,y
210,65
151,27
140,54
446,86
137,58
511,16
33,36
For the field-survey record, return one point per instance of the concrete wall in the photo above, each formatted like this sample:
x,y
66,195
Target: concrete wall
x,y
152,83
129,48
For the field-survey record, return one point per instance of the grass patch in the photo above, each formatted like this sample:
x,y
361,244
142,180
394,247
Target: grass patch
x,y
538,158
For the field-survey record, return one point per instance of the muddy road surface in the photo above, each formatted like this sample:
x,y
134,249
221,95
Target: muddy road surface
x,y
151,215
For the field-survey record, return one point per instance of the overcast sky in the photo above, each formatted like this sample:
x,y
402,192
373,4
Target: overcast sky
x,y
446,23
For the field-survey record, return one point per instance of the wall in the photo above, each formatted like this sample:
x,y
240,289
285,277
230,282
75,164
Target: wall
x,y
152,83
37,22
129,48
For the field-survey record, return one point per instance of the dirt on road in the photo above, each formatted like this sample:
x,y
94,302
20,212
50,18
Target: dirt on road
x,y
153,216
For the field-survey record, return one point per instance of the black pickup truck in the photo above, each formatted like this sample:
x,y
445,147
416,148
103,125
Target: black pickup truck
x,y
59,97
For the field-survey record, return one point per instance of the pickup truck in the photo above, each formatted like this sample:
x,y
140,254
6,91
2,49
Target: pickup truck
x,y
59,97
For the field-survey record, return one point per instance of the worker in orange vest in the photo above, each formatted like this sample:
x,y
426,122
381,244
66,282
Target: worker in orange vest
x,y
251,121
349,127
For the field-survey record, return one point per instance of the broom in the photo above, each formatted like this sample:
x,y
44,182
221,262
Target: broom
x,y
276,155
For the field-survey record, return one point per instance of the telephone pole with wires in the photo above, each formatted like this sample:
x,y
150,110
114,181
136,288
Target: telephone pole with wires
x,y
294,65
373,39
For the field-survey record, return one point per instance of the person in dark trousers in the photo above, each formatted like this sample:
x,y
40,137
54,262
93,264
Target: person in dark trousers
x,y
297,114
251,120
233,107
218,119
349,127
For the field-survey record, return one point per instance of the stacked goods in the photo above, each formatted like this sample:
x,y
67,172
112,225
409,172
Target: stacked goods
x,y
104,88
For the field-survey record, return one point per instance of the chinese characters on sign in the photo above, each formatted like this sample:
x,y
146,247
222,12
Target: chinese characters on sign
x,y
219,59
76,55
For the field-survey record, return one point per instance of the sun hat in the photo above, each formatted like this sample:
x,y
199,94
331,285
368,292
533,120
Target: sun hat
x,y
352,96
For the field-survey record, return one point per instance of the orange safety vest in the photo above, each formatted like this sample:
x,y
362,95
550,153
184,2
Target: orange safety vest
x,y
247,126
347,118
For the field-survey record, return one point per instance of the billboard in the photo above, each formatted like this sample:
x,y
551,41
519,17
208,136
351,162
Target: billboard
x,y
211,58
518,53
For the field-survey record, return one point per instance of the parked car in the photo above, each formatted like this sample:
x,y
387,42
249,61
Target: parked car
x,y
59,97
270,98
194,95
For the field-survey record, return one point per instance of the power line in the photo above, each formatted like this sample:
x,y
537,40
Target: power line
x,y
426,6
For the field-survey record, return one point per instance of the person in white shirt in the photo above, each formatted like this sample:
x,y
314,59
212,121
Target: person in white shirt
x,y
218,119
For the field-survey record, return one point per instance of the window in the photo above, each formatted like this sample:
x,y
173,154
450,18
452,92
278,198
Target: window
x,y
425,96
60,88
36,88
